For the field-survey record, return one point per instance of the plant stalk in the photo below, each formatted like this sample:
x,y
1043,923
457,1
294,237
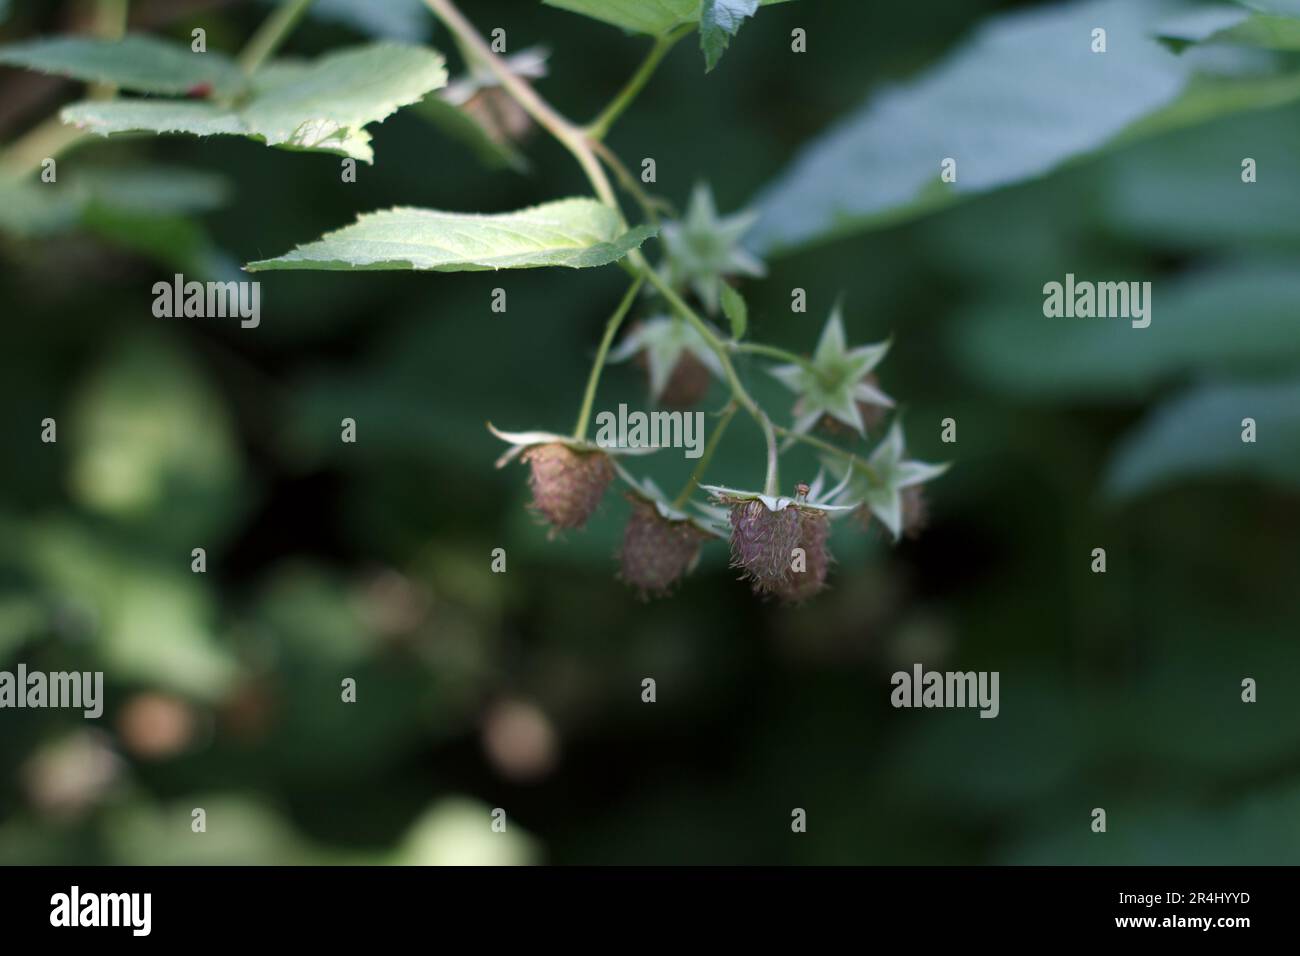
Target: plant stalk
x,y
715,439
771,351
611,329
274,30
597,129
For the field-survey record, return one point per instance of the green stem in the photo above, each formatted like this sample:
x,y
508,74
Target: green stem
x,y
611,328
719,348
571,137
46,141
629,182
273,31
814,442
697,473
771,351
109,19
772,483
108,23
599,127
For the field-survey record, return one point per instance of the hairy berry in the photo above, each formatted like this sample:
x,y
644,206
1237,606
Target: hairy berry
x,y
657,551
567,485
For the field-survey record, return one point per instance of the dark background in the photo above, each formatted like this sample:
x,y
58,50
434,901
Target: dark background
x,y
522,690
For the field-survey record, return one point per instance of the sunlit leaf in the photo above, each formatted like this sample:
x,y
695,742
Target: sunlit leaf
x,y
324,105
577,233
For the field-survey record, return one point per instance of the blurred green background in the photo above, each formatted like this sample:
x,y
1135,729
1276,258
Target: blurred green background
x,y
522,690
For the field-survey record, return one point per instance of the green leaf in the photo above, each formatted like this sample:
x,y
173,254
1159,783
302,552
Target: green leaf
x,y
321,106
154,190
1270,33
32,209
736,311
141,63
1147,187
1280,8
655,17
1199,434
1012,346
577,233
720,20
1231,24
882,164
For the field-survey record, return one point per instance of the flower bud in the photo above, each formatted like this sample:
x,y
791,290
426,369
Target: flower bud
x,y
567,485
657,551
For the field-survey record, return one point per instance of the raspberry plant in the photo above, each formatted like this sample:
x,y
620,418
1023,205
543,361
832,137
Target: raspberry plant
x,y
779,543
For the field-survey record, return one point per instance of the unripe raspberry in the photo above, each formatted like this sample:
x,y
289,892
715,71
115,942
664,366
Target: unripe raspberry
x,y
567,485
799,586
657,551
763,542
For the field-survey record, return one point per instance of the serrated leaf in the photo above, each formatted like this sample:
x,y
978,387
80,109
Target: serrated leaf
x,y
736,311
137,62
1198,434
577,233
655,17
322,106
720,20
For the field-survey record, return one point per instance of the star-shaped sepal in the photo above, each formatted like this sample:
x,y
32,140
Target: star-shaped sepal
x,y
838,382
704,249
